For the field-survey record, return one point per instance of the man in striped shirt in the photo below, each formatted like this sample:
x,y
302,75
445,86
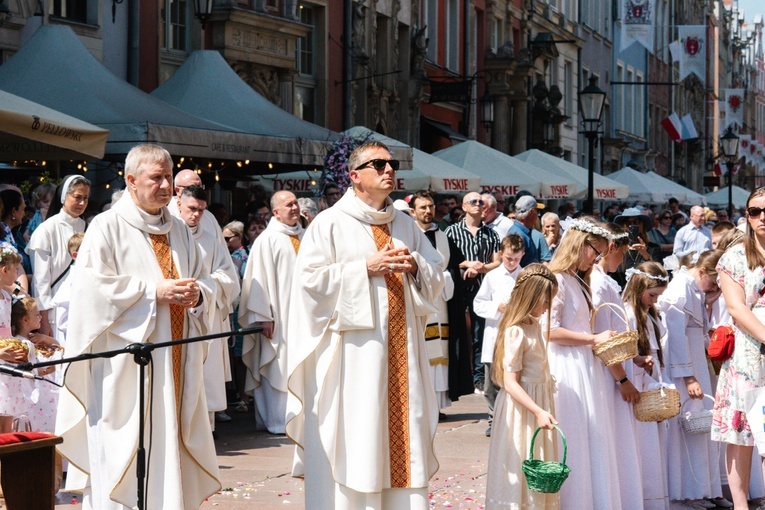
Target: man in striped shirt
x,y
480,245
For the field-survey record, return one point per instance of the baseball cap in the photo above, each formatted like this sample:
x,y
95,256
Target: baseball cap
x,y
524,204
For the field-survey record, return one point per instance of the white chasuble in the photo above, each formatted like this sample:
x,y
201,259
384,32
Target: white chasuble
x,y
114,304
339,408
266,297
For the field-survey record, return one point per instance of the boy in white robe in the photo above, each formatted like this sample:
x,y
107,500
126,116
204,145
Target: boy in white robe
x,y
362,409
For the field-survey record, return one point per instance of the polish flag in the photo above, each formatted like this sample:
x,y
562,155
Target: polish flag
x,y
674,127
688,128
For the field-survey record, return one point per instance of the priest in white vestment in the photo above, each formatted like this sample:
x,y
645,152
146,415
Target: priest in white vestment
x,y
437,326
208,222
362,409
47,248
191,205
139,279
266,301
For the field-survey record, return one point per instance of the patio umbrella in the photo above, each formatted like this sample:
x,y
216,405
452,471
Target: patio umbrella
x,y
605,188
30,122
719,198
653,188
505,174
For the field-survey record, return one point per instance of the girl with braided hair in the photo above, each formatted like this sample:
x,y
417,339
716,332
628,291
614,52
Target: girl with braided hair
x,y
645,284
525,399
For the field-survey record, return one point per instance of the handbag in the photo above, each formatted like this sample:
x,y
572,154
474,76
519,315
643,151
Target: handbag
x,y
722,343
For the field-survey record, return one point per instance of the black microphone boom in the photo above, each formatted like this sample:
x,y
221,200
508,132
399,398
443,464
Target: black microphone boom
x,y
17,372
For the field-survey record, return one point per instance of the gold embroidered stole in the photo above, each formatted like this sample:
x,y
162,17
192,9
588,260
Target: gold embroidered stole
x,y
398,372
295,242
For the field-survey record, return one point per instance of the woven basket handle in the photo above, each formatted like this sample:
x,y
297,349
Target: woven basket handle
x,y
562,436
710,397
622,315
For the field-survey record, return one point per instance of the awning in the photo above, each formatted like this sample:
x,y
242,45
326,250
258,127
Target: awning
x,y
719,198
444,128
38,131
653,188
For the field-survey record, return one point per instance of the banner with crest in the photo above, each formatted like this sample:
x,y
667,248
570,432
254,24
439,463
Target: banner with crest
x,y
637,23
693,43
734,108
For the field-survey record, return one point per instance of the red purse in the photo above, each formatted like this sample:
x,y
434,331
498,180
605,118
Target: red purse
x,y
721,344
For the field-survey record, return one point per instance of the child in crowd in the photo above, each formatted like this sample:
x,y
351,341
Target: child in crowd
x,y
619,390
645,284
693,466
525,400
580,400
490,302
25,318
62,297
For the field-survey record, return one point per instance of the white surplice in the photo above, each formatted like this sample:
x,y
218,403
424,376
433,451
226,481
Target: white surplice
x,y
693,466
495,290
437,326
266,297
48,251
581,407
338,358
606,290
217,367
114,305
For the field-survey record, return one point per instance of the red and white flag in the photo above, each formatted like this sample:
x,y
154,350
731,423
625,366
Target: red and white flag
x,y
689,129
674,127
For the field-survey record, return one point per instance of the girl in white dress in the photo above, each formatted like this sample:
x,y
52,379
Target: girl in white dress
x,y
645,284
693,466
25,318
580,400
619,389
525,399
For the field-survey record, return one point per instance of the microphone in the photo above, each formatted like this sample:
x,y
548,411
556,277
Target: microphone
x,y
17,372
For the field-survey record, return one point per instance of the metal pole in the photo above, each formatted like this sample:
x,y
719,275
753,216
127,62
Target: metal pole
x,y
590,208
730,190
347,64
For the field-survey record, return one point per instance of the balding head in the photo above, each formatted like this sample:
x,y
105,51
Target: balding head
x,y
697,215
186,178
285,207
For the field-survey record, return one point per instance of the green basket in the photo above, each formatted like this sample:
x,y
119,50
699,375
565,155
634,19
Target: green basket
x,y
543,476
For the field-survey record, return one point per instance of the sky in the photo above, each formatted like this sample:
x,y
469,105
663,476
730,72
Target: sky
x,y
751,8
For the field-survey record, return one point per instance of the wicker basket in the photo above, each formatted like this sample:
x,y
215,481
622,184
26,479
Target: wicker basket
x,y
697,422
657,405
545,476
618,348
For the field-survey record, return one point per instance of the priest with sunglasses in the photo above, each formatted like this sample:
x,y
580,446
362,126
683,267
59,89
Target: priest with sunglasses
x,y
362,409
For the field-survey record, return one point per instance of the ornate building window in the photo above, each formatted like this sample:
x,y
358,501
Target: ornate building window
x,y
72,10
174,20
430,20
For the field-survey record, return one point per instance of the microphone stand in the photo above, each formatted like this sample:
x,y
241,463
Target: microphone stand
x,y
142,356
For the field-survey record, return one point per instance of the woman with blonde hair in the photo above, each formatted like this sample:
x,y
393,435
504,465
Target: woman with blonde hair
x,y
645,284
525,399
580,400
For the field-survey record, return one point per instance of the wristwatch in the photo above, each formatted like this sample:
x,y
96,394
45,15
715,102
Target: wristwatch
x,y
622,381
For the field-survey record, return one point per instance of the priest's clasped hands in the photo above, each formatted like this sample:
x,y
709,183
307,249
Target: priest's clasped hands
x,y
184,292
391,260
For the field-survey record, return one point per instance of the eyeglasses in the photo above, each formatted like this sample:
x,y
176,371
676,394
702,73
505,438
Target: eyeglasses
x,y
379,164
475,201
634,221
229,238
755,212
197,185
599,255
666,217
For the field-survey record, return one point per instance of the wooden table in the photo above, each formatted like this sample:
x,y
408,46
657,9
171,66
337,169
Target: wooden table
x,y
27,474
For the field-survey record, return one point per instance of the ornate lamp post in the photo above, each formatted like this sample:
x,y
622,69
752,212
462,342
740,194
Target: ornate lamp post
x,y
729,143
591,101
487,110
202,11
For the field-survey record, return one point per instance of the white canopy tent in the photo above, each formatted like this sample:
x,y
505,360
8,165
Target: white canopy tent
x,y
605,188
505,174
653,188
34,128
719,199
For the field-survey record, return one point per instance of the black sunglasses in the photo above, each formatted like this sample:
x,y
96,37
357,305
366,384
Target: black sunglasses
x,y
755,212
666,217
379,164
475,201
229,238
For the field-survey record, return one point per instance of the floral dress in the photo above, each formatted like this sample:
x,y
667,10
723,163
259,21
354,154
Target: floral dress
x,y
744,371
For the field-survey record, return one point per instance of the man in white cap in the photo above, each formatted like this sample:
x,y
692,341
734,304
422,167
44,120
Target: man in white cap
x,y
526,216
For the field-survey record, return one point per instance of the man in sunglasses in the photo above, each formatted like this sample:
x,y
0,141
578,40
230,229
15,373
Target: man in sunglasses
x,y
361,406
480,246
266,301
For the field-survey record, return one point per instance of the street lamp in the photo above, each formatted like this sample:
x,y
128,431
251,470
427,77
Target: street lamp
x,y
487,110
202,11
730,150
591,101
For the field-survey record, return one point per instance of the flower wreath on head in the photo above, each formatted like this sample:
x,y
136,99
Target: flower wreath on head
x,y
616,237
633,271
591,228
7,249
336,163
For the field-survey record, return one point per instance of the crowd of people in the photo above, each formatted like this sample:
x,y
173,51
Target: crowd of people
x,y
413,303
